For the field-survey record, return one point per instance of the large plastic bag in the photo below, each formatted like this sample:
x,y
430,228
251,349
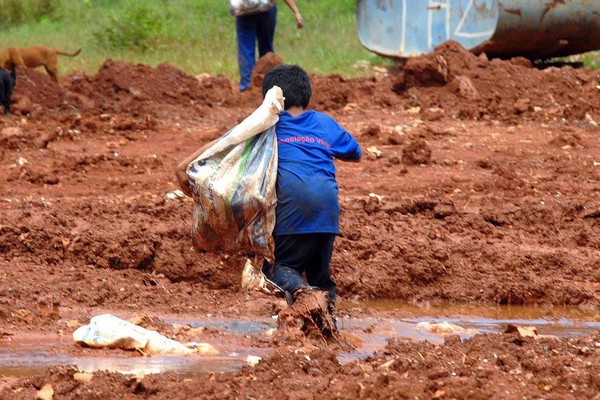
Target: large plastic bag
x,y
109,331
233,183
249,7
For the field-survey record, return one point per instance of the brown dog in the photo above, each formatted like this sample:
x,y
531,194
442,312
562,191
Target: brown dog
x,y
32,57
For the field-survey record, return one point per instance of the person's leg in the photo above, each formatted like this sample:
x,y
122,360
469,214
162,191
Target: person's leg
x,y
317,270
265,31
290,261
246,37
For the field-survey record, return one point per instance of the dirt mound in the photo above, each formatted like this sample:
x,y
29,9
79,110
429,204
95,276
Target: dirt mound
x,y
120,87
334,92
264,65
125,86
33,87
455,79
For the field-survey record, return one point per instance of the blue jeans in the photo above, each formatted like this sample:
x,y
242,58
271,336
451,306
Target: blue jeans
x,y
307,254
250,29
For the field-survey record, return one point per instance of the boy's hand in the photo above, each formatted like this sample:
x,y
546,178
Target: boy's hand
x,y
184,183
299,21
180,169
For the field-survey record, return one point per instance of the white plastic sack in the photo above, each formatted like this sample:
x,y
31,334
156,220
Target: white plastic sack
x,y
249,7
109,331
233,183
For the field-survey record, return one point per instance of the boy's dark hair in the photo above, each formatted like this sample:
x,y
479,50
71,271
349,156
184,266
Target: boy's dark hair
x,y
294,82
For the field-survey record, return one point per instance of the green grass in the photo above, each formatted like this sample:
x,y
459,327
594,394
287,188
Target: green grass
x,y
196,35
592,59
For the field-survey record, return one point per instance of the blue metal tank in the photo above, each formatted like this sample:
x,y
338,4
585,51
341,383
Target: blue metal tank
x,y
500,28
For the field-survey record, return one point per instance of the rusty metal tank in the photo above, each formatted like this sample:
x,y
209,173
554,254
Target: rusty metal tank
x,y
500,28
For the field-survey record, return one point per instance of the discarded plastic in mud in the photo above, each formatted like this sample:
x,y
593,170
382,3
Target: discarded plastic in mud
x,y
110,331
30,356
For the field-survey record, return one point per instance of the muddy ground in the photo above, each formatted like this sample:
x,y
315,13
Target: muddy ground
x,y
480,184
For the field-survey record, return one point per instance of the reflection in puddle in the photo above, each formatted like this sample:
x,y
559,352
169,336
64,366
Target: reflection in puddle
x,y
226,326
28,356
376,331
550,320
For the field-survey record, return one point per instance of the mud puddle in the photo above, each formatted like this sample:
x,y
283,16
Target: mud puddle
x,y
376,331
554,321
32,355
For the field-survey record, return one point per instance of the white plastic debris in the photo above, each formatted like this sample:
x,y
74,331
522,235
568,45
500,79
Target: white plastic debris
x,y
175,194
253,360
109,331
202,348
45,393
590,120
444,329
376,198
269,332
374,151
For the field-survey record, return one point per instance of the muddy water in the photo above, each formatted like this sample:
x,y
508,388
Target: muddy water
x,y
445,309
376,331
31,355
556,321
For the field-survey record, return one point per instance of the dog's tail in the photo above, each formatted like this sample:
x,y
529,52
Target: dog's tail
x,y
62,53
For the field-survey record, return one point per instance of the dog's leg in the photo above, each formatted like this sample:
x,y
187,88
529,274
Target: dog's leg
x,y
7,94
5,100
8,99
52,72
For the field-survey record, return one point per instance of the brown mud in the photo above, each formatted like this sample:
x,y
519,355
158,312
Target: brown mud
x,y
485,188
308,318
486,366
264,65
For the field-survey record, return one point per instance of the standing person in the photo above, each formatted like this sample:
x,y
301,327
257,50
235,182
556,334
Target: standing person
x,y
308,211
257,27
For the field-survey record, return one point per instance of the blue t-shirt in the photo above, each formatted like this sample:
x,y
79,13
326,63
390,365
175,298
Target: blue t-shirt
x,y
307,191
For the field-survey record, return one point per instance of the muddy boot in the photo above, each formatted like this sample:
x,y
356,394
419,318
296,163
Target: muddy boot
x,y
303,291
290,298
308,316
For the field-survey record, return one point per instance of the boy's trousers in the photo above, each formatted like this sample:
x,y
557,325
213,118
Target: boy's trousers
x,y
303,253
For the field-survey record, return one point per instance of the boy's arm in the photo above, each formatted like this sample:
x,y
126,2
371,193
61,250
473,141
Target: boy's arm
x,y
292,5
342,144
345,147
180,172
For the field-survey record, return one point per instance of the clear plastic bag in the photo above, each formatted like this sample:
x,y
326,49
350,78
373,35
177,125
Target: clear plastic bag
x,y
233,183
